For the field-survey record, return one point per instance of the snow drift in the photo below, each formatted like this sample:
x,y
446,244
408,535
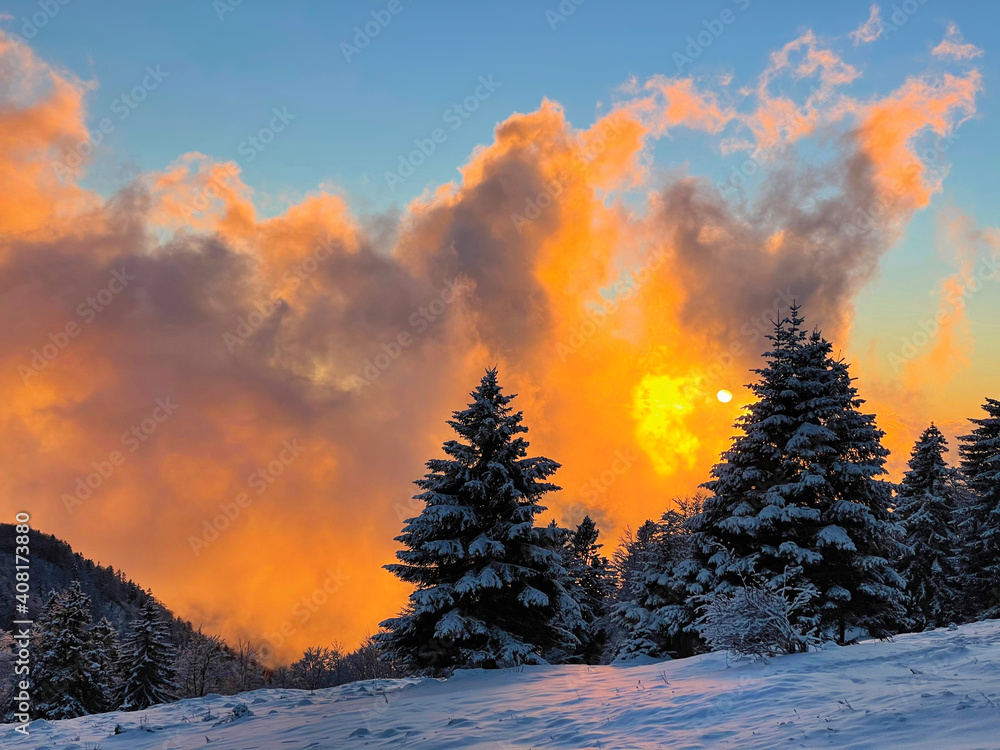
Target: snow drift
x,y
927,690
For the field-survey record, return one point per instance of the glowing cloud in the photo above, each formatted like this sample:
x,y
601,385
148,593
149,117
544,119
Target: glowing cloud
x,y
616,308
870,30
953,46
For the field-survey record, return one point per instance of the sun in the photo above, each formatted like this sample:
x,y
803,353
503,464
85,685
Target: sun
x,y
724,396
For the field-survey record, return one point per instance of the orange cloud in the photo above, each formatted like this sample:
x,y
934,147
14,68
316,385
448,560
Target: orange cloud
x,y
42,135
953,46
890,126
870,30
779,119
616,307
976,253
678,102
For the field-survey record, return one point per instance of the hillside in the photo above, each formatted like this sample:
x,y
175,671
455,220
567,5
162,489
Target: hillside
x,y
54,565
927,690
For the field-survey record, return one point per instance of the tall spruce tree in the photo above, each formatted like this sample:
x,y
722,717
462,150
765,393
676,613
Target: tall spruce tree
x,y
980,523
859,539
491,588
590,572
926,506
107,661
65,676
747,517
149,657
797,499
630,558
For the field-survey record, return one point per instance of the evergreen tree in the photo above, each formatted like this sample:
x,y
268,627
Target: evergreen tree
x,y
592,586
656,613
107,663
149,657
8,678
630,558
748,517
926,505
64,676
796,501
858,538
491,586
980,523
635,633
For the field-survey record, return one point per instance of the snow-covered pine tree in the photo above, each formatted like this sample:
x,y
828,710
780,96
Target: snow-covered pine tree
x,y
591,575
674,587
106,659
859,588
8,678
629,560
656,615
980,522
635,630
64,679
751,525
926,506
491,586
796,501
148,656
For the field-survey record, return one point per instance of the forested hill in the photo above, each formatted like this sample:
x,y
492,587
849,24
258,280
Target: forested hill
x,y
54,565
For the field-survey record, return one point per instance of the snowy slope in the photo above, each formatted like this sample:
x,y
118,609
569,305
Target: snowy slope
x,y
932,690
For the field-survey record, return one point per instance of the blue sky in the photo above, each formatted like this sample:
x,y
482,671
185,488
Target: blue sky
x,y
229,65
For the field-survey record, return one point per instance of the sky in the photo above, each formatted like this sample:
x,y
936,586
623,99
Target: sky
x,y
252,255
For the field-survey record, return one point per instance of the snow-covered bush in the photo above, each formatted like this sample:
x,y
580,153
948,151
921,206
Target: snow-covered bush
x,y
241,711
756,620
